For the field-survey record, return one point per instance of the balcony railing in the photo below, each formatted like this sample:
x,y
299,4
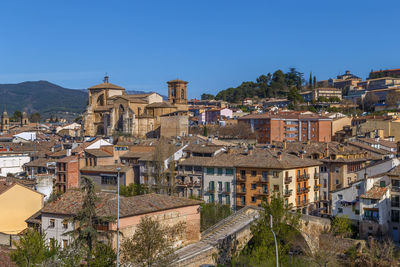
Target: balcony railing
x,y
288,192
395,204
288,180
262,193
263,180
395,188
303,190
316,175
371,218
303,177
211,190
241,192
303,202
241,178
317,187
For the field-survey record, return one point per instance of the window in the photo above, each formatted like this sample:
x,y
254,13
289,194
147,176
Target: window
x,y
382,184
212,198
275,174
357,212
276,188
109,180
198,168
227,187
340,197
211,186
210,170
198,192
219,171
243,200
253,186
52,223
64,243
243,173
191,192
65,225
219,198
227,200
220,186
264,175
373,201
229,171
340,210
188,168
265,188
253,199
253,173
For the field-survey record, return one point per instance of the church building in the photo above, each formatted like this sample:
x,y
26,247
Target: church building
x,y
111,110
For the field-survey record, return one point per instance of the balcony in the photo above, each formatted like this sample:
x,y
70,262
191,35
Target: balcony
x,y
371,218
395,204
288,193
303,177
262,180
317,187
262,193
316,175
224,191
241,178
302,202
241,192
303,190
288,180
211,190
395,188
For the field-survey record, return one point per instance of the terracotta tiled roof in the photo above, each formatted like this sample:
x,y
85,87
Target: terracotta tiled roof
x,y
5,259
376,192
40,162
202,148
177,80
106,86
284,115
395,171
381,142
98,152
71,202
369,148
105,168
160,105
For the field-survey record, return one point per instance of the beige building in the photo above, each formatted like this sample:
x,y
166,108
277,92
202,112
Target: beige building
x,y
17,203
327,93
111,110
174,124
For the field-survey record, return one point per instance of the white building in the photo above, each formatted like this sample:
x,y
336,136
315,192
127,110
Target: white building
x,y
12,162
378,167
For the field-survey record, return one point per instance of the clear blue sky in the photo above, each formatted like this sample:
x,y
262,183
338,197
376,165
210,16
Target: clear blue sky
x,y
212,44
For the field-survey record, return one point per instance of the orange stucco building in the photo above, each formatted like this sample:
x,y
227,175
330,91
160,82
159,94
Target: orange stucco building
x,y
290,126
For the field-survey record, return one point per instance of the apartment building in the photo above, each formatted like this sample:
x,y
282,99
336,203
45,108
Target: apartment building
x,y
326,92
290,126
263,172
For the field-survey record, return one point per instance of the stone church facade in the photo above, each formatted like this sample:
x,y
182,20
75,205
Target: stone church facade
x,y
111,110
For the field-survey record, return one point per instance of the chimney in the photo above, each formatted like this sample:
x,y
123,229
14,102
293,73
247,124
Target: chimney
x,y
279,154
341,148
229,150
326,154
284,144
68,152
376,138
301,154
391,138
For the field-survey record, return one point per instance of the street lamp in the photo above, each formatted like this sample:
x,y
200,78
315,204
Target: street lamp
x,y
276,244
118,169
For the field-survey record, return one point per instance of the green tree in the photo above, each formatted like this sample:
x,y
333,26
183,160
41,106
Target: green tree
x,y
260,251
86,220
341,226
294,96
31,249
207,96
152,244
133,190
211,213
17,116
205,132
310,81
315,82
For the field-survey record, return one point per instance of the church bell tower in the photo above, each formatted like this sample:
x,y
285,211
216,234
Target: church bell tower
x,y
177,92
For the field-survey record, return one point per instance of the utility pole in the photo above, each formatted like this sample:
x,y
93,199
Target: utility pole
x,y
276,244
118,169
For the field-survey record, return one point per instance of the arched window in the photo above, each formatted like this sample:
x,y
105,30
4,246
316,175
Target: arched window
x,y
182,94
100,100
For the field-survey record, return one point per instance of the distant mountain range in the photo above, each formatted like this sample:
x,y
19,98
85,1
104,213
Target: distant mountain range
x,y
44,97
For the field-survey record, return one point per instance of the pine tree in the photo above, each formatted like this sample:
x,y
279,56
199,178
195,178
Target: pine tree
x,y
315,82
310,81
